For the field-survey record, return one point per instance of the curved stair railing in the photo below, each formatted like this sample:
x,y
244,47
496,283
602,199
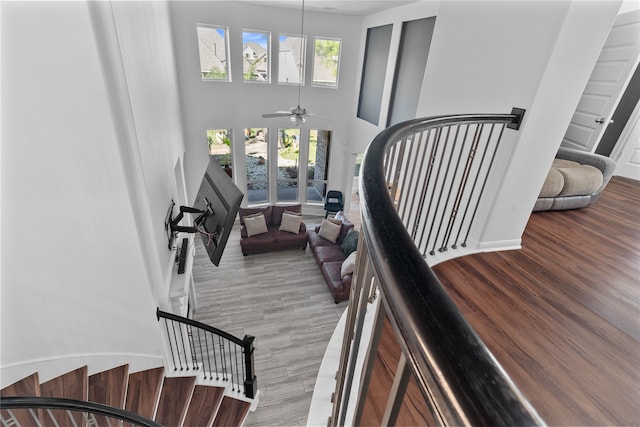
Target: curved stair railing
x,y
421,185
195,346
38,411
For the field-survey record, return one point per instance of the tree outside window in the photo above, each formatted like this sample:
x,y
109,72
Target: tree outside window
x,y
219,141
318,165
213,45
257,155
255,54
288,164
326,61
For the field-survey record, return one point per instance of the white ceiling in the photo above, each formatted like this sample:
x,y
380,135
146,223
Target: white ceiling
x,y
344,7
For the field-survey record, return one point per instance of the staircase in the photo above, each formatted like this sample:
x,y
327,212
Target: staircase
x,y
169,401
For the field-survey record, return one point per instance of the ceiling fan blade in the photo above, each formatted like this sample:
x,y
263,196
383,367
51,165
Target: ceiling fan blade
x,y
276,114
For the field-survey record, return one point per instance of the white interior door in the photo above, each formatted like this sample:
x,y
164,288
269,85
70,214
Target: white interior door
x,y
627,151
608,80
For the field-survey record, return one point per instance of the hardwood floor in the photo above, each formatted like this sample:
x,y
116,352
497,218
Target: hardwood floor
x,y
562,315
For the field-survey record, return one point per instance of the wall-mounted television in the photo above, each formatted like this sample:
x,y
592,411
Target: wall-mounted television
x,y
214,211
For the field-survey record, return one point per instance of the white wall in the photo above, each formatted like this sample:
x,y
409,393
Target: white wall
x,y
238,105
490,56
75,270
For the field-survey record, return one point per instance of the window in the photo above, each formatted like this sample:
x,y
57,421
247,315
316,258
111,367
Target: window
x,y
288,161
213,45
256,152
220,148
291,59
326,60
255,54
318,165
376,53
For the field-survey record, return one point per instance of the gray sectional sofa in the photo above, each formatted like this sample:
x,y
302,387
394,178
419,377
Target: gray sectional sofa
x,y
575,180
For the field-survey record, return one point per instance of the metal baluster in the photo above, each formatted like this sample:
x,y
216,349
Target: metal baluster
x,y
175,337
473,186
194,358
427,158
215,359
184,349
462,185
170,345
432,161
436,185
223,361
493,157
202,356
445,208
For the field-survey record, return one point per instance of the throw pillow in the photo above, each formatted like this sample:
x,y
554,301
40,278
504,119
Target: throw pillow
x,y
348,265
255,224
329,230
350,242
291,222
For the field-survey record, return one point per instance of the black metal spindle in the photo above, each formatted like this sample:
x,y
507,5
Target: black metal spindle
x,y
493,157
175,338
170,345
427,159
462,183
423,216
194,359
223,361
446,210
473,186
184,348
441,186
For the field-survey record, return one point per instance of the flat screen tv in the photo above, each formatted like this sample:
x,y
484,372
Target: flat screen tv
x,y
214,211
220,198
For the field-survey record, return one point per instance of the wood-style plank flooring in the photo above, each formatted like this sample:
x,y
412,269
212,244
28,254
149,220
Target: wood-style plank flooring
x,y
282,299
562,315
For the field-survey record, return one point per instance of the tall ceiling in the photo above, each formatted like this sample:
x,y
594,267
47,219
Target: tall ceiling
x,y
344,7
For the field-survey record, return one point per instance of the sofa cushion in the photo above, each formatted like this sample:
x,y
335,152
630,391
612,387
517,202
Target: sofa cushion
x,y
581,180
329,230
244,212
291,222
346,226
328,254
348,265
255,224
277,211
315,240
552,184
350,242
562,163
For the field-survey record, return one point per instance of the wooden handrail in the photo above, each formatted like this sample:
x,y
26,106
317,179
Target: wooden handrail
x,y
454,369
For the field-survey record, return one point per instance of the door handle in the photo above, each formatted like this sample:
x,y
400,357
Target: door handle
x,y
601,120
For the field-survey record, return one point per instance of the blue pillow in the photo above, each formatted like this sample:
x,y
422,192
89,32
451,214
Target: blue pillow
x,y
350,242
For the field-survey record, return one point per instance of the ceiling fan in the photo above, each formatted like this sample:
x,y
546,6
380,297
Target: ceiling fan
x,y
297,114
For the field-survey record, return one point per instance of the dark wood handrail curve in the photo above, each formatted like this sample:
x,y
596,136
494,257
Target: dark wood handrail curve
x,y
453,367
76,406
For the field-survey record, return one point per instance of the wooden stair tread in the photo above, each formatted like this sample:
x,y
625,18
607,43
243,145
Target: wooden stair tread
x,y
174,400
143,391
72,385
26,387
232,412
109,387
204,405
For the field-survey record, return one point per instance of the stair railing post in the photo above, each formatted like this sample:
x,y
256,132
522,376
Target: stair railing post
x,y
250,381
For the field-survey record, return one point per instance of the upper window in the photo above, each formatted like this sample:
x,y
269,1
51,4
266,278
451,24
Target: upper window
x,y
326,61
291,59
213,45
255,56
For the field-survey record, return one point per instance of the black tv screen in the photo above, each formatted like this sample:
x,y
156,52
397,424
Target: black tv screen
x,y
220,199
